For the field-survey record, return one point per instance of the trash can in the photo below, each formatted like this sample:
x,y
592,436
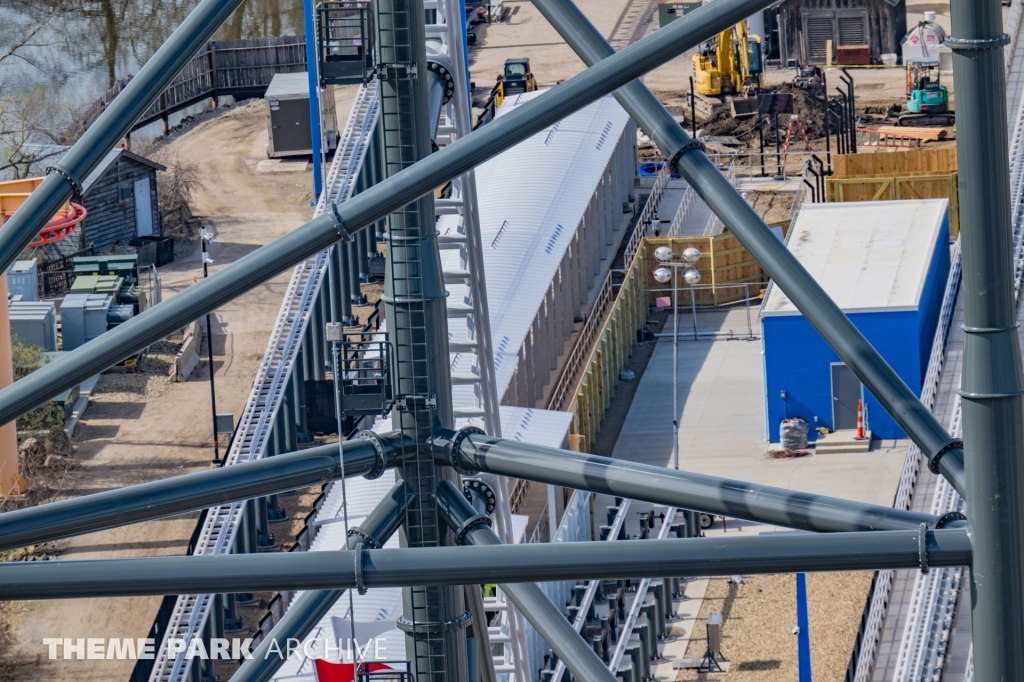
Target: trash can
x,y
793,433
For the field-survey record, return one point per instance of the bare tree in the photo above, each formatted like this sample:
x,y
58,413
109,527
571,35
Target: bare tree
x,y
28,113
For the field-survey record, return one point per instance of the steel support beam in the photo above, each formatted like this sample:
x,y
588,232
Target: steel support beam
x,y
473,528
311,606
170,496
415,307
65,181
466,565
993,413
372,205
683,489
688,157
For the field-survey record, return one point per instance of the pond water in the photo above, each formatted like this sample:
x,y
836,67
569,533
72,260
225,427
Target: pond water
x,y
83,46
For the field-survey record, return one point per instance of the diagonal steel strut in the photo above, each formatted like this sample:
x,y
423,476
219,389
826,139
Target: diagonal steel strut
x,y
372,205
311,606
473,565
944,453
191,492
765,504
474,528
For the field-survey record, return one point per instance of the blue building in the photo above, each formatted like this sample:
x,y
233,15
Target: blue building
x,y
885,264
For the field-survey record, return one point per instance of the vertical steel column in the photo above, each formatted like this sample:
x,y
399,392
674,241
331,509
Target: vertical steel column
x,y
993,421
352,272
341,267
414,297
312,59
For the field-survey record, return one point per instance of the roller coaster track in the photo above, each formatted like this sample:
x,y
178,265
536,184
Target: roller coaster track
x,y
191,612
913,623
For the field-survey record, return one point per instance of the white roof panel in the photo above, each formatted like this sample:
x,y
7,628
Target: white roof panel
x,y
531,199
867,255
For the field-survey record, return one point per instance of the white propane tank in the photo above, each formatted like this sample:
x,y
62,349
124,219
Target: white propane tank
x,y
923,39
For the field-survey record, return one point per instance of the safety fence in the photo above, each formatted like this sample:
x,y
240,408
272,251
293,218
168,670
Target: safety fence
x,y
643,223
710,312
240,68
763,165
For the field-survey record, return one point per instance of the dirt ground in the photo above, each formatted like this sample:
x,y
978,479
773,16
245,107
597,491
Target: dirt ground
x,y
141,429
758,618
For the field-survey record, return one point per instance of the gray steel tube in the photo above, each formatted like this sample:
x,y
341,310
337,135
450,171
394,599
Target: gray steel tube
x,y
170,496
372,205
474,529
463,565
993,380
788,274
311,606
683,489
113,124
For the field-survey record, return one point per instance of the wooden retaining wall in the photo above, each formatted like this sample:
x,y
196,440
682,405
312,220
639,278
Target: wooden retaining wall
x,y
723,262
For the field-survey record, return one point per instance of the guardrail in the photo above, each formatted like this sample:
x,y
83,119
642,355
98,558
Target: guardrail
x,y
241,68
591,592
685,206
580,352
758,165
908,478
643,223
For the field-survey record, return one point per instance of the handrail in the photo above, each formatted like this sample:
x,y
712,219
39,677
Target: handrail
x,y
650,208
581,350
911,466
715,224
685,206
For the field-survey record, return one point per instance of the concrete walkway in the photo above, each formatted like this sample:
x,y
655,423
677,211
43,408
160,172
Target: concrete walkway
x,y
722,433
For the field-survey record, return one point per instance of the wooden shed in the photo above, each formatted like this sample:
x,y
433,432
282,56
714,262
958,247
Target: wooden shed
x,y
807,26
121,199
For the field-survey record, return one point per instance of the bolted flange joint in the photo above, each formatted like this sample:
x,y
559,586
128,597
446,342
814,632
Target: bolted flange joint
x,y
933,461
366,538
474,486
469,524
445,445
381,464
446,75
460,623
76,186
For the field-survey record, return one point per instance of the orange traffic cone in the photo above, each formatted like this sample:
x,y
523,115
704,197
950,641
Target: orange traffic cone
x,y
860,419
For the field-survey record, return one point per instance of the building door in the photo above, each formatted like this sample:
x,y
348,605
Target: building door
x,y
143,208
842,27
852,27
846,391
818,31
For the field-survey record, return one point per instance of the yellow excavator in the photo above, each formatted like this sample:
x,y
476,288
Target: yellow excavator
x,y
730,65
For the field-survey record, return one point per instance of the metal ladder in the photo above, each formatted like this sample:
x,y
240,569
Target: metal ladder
x,y
217,536
474,385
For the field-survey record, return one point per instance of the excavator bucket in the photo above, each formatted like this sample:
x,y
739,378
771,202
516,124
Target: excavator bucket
x,y
743,107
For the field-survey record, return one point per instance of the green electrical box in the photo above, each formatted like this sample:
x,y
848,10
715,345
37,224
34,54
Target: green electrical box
x,y
669,10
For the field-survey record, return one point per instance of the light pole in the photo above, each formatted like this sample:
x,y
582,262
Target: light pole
x,y
206,239
662,275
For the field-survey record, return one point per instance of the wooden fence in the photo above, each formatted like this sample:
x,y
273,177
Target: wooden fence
x,y
723,261
240,68
915,174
